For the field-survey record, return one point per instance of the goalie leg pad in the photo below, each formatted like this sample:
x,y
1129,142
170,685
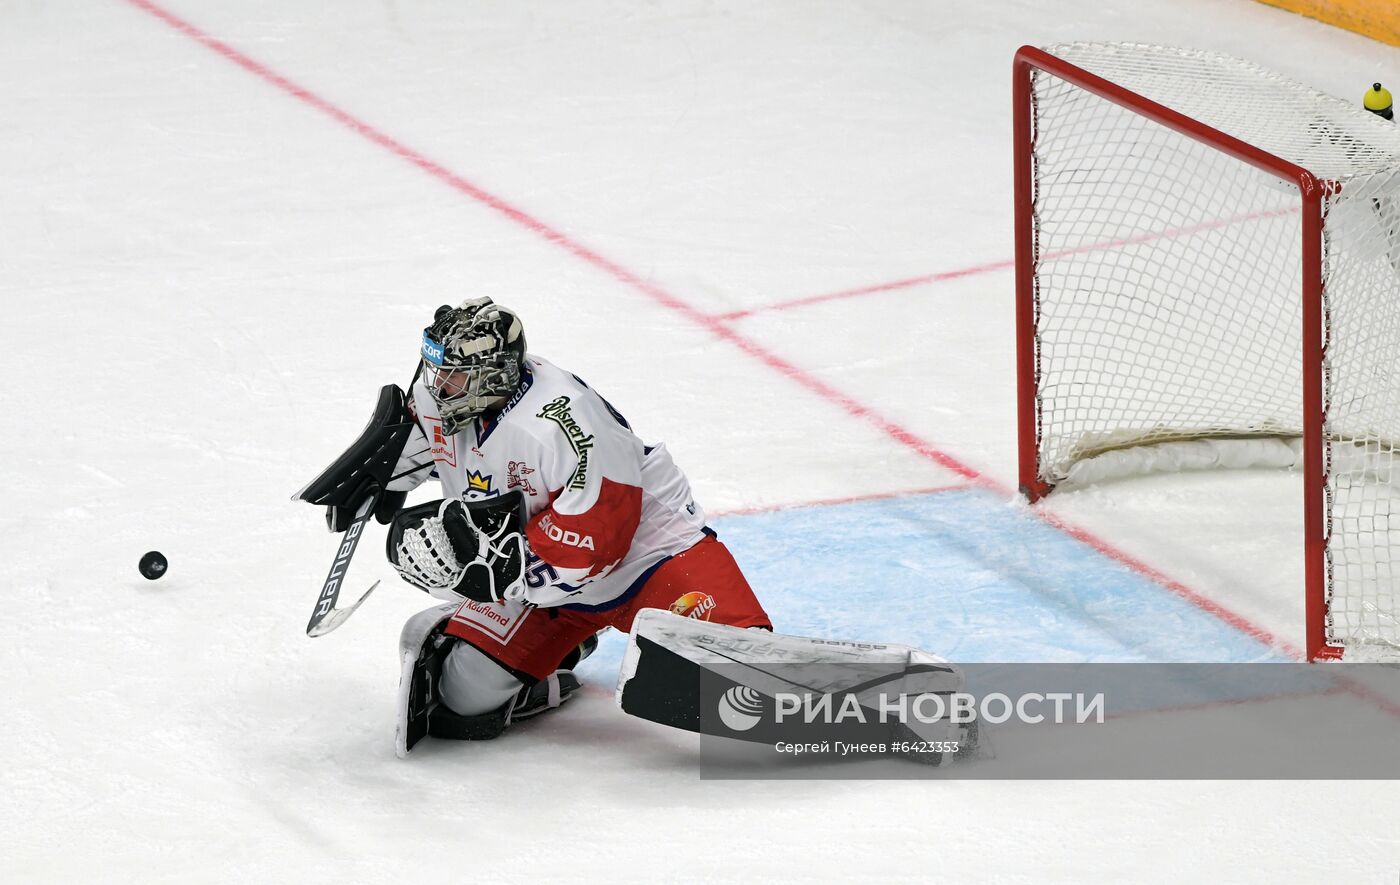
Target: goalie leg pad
x,y
472,683
422,648
667,657
428,658
530,701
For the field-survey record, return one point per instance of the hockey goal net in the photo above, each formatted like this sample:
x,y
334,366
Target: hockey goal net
x,y
1208,273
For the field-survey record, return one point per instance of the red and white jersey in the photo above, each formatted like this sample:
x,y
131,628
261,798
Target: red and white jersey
x,y
604,508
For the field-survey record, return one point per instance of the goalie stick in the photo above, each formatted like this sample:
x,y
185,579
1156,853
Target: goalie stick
x,y
355,487
326,617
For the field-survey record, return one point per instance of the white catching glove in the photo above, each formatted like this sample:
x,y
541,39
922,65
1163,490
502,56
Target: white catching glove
x,y
454,550
426,554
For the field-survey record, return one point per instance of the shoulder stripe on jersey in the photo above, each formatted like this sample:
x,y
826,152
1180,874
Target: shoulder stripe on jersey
x,y
595,539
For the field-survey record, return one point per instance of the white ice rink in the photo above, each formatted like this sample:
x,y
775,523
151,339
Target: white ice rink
x,y
222,227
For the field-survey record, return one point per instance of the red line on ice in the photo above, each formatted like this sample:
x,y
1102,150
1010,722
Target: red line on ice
x,y
849,499
712,324
891,286
1344,685
1234,619
1223,703
1366,693
716,325
1007,264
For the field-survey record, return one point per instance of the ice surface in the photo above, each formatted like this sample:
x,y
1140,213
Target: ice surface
x,y
206,279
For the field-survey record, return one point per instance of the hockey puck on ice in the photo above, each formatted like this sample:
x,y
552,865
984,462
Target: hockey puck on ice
x,y
153,565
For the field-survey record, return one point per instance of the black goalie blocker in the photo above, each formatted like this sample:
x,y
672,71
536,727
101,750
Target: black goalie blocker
x,y
365,469
352,488
454,549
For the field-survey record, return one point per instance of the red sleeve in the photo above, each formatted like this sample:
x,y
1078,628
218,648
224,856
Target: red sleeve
x,y
595,539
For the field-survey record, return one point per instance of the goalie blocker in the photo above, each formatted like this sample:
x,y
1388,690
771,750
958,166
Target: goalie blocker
x,y
357,484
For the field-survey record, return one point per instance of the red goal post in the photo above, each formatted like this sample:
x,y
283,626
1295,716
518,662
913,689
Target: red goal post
x,y
1172,295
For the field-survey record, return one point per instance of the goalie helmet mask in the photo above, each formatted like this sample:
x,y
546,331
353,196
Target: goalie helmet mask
x,y
472,359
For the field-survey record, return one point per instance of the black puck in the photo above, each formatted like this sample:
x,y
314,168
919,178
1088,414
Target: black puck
x,y
153,565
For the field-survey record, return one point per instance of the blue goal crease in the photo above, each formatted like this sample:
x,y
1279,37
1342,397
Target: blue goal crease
x,y
965,575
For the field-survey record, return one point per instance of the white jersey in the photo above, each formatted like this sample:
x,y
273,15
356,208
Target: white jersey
x,y
604,510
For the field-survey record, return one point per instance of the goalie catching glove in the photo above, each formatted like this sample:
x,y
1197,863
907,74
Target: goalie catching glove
x,y
455,549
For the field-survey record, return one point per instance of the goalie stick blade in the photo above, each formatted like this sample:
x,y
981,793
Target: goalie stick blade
x,y
330,590
338,616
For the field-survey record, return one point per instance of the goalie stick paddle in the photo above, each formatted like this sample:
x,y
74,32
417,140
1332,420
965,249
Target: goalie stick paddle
x,y
326,617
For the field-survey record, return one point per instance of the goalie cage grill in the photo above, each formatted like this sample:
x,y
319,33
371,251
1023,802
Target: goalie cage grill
x,y
1207,251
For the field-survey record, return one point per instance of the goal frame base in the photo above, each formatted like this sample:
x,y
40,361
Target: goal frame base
x,y
1311,191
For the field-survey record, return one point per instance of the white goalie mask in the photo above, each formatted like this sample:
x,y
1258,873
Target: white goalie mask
x,y
472,359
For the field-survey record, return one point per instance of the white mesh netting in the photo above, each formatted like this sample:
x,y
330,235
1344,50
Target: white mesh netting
x,y
1168,289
